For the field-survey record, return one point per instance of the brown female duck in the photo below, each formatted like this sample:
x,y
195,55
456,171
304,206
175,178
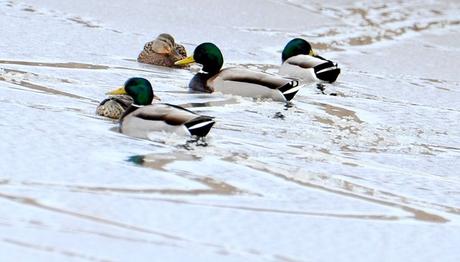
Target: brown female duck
x,y
162,51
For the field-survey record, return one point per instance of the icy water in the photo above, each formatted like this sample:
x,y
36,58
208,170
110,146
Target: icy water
x,y
371,174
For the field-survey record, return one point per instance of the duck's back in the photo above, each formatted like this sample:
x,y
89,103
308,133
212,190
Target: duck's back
x,y
309,68
245,82
301,67
164,117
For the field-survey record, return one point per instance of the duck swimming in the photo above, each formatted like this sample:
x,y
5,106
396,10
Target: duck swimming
x,y
300,61
162,51
236,81
142,117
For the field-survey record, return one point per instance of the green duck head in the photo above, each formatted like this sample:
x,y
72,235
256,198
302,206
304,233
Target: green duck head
x,y
208,55
138,88
296,46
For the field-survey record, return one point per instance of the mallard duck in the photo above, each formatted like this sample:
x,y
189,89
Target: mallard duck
x,y
300,61
162,51
143,117
236,81
114,106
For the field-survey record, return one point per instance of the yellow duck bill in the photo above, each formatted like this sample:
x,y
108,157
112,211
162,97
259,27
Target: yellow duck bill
x,y
118,91
185,61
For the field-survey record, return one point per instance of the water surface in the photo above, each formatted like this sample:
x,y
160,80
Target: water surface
x,y
368,175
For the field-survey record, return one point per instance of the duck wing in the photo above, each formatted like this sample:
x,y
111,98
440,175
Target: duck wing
x,y
304,61
170,114
168,117
245,82
253,77
323,69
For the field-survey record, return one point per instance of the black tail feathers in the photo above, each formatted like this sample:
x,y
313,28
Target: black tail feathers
x,y
290,89
200,126
327,71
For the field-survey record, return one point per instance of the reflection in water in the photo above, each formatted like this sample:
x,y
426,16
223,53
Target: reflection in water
x,y
161,161
169,239
322,88
339,112
16,77
194,142
288,105
65,252
223,189
349,125
279,115
46,89
349,189
83,22
229,101
34,203
69,65
76,65
283,211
